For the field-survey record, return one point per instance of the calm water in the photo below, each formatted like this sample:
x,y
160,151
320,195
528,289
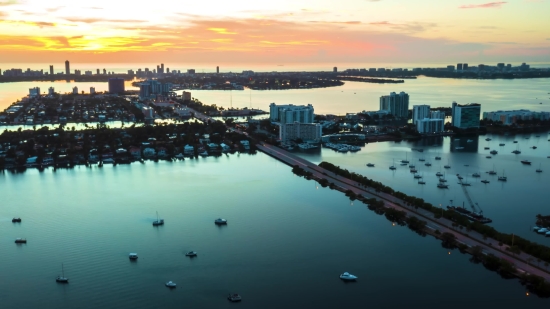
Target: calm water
x,y
285,245
512,205
352,97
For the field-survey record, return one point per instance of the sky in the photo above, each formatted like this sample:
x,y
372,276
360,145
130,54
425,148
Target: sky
x,y
282,31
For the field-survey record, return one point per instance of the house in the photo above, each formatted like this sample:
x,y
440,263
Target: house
x,y
149,152
188,150
135,152
161,152
225,147
246,144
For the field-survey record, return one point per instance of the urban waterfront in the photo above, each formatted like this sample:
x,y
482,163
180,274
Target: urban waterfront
x,y
286,242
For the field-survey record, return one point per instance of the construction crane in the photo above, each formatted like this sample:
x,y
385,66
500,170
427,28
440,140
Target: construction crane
x,y
474,210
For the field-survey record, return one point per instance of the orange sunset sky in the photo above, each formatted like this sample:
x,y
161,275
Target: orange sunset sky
x,y
275,31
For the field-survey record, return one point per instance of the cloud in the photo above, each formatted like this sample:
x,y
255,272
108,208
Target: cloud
x,y
102,20
484,5
412,27
7,2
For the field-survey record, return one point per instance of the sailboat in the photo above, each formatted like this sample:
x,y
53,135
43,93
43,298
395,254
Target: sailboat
x,y
158,221
503,177
448,165
493,171
406,161
62,278
539,170
517,150
393,165
437,157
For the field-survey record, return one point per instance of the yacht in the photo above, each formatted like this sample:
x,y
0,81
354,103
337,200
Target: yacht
x,y
516,151
442,180
133,256
485,181
348,277
406,161
442,186
494,152
527,162
447,165
170,284
234,297
158,221
393,166
220,221
62,278
370,164
191,253
502,178
16,220
539,170
476,175
20,240
534,147
543,230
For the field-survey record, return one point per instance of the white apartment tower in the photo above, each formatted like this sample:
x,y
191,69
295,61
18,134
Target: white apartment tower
x,y
396,104
420,112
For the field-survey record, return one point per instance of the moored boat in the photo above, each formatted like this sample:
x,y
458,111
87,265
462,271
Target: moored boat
x,y
348,277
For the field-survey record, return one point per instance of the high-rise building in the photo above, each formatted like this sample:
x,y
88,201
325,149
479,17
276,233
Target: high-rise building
x,y
217,70
75,90
92,90
51,91
425,126
335,70
51,69
459,67
291,113
186,96
451,68
104,72
144,90
420,112
162,68
116,85
34,92
465,66
304,131
67,68
97,72
396,104
437,115
466,116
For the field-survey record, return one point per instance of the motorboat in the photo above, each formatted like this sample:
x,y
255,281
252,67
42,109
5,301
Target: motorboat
x,y
543,230
476,175
133,256
220,221
14,220
348,277
487,139
536,228
158,221
20,240
534,147
421,182
170,284
421,159
485,181
494,152
527,162
203,154
62,278
447,166
428,164
438,158
488,157
370,164
486,148
234,297
442,186
191,253
501,144
515,142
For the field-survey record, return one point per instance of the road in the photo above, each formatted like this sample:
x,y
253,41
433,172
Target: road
x,y
471,238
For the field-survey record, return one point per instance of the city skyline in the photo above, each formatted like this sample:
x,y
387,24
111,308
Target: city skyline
x,y
304,31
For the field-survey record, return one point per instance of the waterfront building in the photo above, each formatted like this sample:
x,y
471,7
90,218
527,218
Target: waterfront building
x,y
335,70
88,73
437,115
75,90
116,85
148,112
511,117
459,67
34,92
51,91
291,113
304,131
67,68
92,90
427,125
466,116
191,71
420,112
51,70
186,96
465,67
396,104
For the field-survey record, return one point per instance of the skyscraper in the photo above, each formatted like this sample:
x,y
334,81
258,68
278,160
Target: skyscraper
x,y
98,72
67,68
218,70
459,67
465,66
116,85
420,112
466,116
162,68
396,104
335,69
51,69
291,113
